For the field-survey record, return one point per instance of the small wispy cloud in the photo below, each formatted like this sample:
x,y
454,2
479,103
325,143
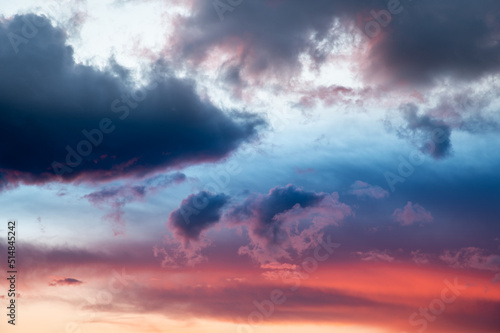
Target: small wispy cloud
x,y
65,282
365,190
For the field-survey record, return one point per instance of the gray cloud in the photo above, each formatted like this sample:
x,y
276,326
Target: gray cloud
x,y
424,40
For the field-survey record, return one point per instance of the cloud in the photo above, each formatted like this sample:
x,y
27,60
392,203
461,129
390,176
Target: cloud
x,y
65,282
233,301
323,302
276,271
54,258
276,266
282,224
431,134
460,108
375,255
270,38
471,257
117,197
459,39
419,258
469,109
127,193
197,213
76,122
331,95
279,200
286,222
412,213
365,190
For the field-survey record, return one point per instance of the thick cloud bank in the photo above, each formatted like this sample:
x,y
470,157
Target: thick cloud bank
x,y
64,119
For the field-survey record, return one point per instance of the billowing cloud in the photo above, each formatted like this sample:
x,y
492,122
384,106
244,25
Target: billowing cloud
x,y
287,221
279,200
73,121
365,190
411,214
197,213
460,38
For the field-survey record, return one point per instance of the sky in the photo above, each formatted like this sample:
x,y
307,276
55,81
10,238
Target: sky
x,y
248,166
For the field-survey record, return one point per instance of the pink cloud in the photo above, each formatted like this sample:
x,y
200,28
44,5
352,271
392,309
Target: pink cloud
x,y
362,189
292,231
471,257
412,213
329,95
419,258
278,266
176,253
375,255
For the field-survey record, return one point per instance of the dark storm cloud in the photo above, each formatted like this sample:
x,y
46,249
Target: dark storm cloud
x,y
423,40
59,117
197,213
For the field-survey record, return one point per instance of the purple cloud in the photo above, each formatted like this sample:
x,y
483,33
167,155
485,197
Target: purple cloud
x,y
365,190
286,222
471,257
375,255
412,213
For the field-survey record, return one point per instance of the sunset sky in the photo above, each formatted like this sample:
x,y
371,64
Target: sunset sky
x,y
251,166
